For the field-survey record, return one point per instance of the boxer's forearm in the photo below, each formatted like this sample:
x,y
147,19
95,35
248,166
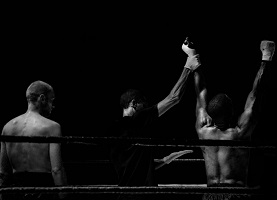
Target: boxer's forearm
x,y
256,89
59,177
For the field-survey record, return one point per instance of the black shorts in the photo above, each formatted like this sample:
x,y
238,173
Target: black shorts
x,y
33,179
30,179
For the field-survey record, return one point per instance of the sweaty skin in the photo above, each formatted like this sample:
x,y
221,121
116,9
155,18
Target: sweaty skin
x,y
227,165
224,164
34,157
16,157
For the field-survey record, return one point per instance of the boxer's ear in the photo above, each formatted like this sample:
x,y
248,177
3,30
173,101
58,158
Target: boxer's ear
x,y
42,98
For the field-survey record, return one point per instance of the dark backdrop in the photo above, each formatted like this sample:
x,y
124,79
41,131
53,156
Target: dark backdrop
x,y
90,54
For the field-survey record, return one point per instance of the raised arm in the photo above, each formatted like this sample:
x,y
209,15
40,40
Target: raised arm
x,y
248,119
202,118
177,91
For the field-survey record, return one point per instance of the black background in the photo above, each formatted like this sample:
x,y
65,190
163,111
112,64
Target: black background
x,y
91,53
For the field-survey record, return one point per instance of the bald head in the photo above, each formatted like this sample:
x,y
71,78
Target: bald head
x,y
36,89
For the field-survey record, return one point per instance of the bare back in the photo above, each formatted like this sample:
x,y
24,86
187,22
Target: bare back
x,y
30,157
227,165
224,165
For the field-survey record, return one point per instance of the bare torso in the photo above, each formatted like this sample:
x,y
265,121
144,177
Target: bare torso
x,y
224,165
29,157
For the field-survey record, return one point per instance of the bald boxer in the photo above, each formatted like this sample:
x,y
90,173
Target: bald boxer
x,y
227,166
33,164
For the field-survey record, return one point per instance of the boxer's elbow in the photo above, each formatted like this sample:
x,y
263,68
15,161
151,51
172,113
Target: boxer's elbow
x,y
57,170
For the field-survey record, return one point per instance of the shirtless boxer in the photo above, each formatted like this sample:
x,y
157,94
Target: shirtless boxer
x,y
33,164
226,166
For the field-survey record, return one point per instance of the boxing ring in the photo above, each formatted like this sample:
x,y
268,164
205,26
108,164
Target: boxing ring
x,y
162,191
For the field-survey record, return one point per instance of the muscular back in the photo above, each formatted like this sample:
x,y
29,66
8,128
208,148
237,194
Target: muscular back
x,y
224,164
30,157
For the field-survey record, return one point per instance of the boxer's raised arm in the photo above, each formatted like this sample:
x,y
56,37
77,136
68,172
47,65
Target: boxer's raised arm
x,y
177,91
202,117
249,117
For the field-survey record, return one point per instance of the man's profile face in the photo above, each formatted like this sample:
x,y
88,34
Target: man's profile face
x,y
139,106
50,100
47,106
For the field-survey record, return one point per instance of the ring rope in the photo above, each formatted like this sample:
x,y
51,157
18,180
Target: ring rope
x,y
185,160
147,142
134,190
108,161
